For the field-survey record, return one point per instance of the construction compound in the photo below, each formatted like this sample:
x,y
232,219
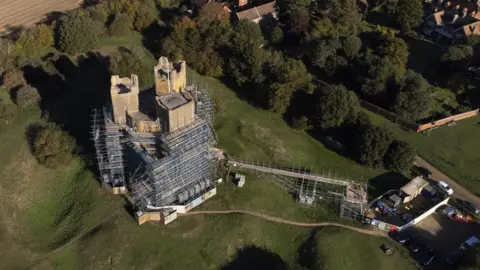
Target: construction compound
x,y
158,146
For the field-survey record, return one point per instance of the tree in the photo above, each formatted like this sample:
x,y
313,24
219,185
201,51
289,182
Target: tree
x,y
298,21
344,15
78,33
126,62
121,26
471,259
351,46
413,96
12,78
145,15
53,147
456,59
321,50
372,144
27,96
123,6
32,42
285,76
397,52
335,103
247,58
276,35
409,14
375,74
399,157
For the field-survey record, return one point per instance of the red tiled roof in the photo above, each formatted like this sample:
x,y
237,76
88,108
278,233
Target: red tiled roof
x,y
257,12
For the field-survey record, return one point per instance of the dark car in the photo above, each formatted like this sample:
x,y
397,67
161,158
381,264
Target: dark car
x,y
455,256
425,172
426,256
470,207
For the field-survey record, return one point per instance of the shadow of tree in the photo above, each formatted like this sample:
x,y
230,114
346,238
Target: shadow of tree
x,y
32,132
255,258
385,182
307,253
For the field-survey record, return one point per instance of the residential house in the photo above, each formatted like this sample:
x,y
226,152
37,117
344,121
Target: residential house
x,y
452,20
257,14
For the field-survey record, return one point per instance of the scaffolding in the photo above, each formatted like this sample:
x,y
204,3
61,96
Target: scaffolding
x,y
107,139
187,163
310,188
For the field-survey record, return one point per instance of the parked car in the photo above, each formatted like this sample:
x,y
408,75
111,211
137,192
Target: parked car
x,y
455,256
470,207
426,256
470,242
445,187
425,172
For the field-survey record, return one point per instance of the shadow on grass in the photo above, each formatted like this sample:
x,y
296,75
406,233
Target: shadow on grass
x,y
255,258
307,253
31,133
385,182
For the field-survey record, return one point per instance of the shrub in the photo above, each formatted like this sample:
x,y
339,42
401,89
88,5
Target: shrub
x,y
12,78
27,96
373,142
53,147
276,36
145,16
121,25
79,33
7,111
399,157
34,41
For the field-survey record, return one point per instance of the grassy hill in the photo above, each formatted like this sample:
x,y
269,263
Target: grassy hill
x,y
453,150
42,209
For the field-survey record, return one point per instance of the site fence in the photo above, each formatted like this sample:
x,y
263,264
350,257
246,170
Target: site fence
x,y
389,115
402,121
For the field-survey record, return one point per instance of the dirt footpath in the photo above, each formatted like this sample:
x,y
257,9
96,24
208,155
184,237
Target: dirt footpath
x,y
22,13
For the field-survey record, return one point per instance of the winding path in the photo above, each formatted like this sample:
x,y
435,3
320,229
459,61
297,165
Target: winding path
x,y
285,221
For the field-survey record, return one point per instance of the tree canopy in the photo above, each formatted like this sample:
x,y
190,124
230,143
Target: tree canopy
x,y
412,98
409,14
372,144
334,105
399,157
27,96
53,146
121,25
396,50
78,33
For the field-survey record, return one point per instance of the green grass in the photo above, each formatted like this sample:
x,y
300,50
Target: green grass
x,y
364,252
251,133
44,208
453,150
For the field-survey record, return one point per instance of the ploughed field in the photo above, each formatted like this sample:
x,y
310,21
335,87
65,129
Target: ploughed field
x,y
18,13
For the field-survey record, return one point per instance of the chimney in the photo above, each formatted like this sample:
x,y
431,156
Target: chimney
x,y
242,3
455,18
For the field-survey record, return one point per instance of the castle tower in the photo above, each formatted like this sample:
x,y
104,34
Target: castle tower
x,y
124,92
170,77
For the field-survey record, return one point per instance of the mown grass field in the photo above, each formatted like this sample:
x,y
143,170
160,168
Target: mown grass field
x,y
453,150
42,209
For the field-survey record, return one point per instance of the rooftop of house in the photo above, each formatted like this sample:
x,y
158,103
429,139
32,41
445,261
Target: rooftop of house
x,y
171,101
413,186
455,14
257,12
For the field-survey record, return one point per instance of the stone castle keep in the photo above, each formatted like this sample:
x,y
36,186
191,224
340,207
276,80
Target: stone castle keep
x,y
157,144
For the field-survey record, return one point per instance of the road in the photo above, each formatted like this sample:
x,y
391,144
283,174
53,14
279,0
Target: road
x,y
459,191
289,222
